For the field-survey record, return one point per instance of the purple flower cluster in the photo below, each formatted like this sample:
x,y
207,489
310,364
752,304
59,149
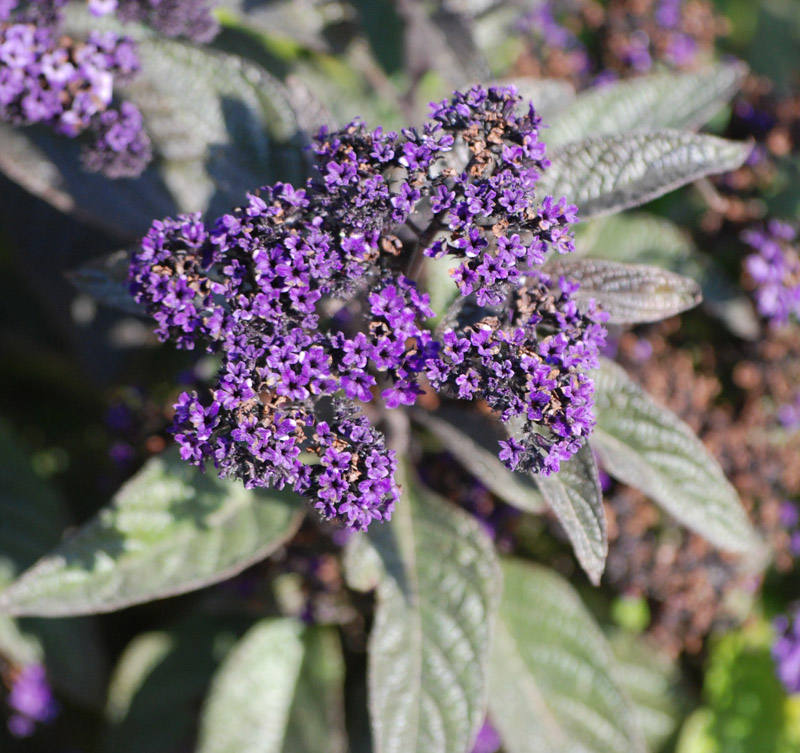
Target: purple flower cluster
x,y
786,651
307,295
31,701
185,18
775,270
66,84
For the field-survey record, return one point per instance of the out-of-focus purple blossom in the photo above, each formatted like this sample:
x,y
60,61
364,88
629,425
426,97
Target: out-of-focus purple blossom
x,y
31,699
789,413
488,740
66,84
786,651
292,383
775,270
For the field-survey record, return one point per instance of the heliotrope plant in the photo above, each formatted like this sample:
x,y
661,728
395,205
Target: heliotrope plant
x,y
254,285
423,287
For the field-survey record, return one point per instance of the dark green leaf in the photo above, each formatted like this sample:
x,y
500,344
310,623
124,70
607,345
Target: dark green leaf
x,y
438,589
106,280
169,530
607,174
659,100
629,293
575,498
249,704
648,447
160,681
33,520
551,684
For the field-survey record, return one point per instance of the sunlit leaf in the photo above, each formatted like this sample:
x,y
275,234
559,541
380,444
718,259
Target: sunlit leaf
x,y
648,447
629,293
551,684
438,589
249,704
659,100
169,530
575,498
607,174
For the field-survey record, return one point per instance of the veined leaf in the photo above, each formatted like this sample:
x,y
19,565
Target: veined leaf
x,y
629,293
576,500
438,589
472,438
550,96
551,684
170,529
607,174
659,100
248,706
648,447
649,677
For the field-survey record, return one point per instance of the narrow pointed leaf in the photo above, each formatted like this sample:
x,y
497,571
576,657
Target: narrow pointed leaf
x,y
607,174
629,293
248,706
647,446
660,100
438,590
472,438
575,498
170,529
551,684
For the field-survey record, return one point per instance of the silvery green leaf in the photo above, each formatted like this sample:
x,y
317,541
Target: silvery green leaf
x,y
472,438
659,100
649,677
607,174
250,700
169,530
575,498
629,293
552,688
106,280
438,589
647,446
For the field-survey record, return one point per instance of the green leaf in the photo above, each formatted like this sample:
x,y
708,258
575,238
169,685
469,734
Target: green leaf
x,y
649,677
607,174
160,681
660,100
170,529
438,589
472,438
248,706
106,280
629,293
316,718
222,125
574,496
648,447
551,684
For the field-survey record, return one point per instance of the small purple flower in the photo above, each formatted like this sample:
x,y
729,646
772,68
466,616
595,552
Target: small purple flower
x,y
31,699
786,651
